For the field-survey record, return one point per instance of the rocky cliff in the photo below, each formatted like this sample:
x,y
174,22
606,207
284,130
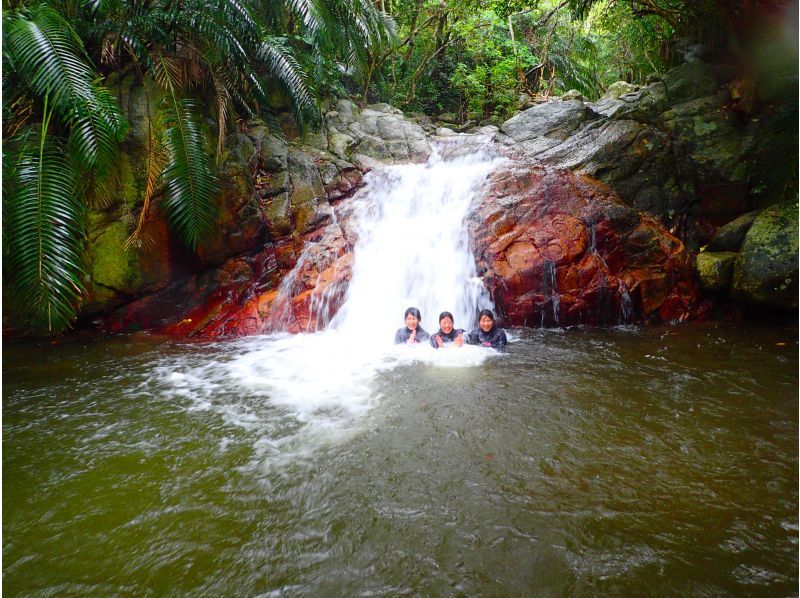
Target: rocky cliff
x,y
597,220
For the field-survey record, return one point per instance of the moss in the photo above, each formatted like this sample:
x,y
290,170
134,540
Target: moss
x,y
112,266
715,269
766,270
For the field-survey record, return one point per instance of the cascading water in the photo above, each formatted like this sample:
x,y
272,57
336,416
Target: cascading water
x,y
411,250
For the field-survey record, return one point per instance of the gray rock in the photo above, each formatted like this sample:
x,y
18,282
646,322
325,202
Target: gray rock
x,y
690,80
715,270
553,119
573,94
766,269
364,163
449,118
390,128
274,152
643,105
711,138
375,148
730,236
341,144
385,108
307,192
346,112
445,132
615,90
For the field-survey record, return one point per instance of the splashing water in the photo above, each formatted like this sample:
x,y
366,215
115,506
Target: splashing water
x,y
306,390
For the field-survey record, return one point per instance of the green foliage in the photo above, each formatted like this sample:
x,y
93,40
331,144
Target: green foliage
x,y
190,185
490,80
471,58
45,214
62,127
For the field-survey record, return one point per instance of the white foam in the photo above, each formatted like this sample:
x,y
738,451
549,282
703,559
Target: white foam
x,y
301,392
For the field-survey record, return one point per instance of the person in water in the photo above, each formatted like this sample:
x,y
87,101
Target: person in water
x,y
412,332
487,334
447,334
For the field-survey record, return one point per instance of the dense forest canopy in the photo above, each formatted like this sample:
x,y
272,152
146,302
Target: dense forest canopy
x,y
237,59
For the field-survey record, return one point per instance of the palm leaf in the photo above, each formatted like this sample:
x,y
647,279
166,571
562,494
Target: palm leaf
x,y
50,58
190,185
284,67
46,231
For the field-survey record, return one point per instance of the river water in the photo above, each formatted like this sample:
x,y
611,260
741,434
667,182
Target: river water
x,y
623,461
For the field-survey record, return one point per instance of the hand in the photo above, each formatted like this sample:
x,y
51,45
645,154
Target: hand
x,y
412,338
439,341
459,342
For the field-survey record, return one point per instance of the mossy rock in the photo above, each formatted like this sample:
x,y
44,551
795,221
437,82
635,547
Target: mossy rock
x,y
715,269
730,236
617,89
112,266
766,270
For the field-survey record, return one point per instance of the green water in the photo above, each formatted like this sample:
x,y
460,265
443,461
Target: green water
x,y
651,462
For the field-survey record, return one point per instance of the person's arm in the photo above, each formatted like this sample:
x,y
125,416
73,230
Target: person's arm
x,y
502,340
472,338
459,342
436,341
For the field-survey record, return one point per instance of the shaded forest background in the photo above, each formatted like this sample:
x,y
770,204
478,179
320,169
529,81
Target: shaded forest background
x,y
457,61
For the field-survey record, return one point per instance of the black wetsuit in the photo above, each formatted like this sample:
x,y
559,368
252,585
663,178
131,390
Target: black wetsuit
x,y
402,334
446,338
495,338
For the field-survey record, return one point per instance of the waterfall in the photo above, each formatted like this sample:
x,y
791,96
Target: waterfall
x,y
412,249
551,295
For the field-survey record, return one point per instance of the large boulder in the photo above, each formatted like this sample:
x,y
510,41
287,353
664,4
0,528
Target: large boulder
x,y
660,147
379,132
556,248
766,269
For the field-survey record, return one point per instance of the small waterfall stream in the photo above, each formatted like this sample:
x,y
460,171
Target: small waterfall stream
x,y
411,250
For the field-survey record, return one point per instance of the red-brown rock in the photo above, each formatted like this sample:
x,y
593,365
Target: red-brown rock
x,y
555,248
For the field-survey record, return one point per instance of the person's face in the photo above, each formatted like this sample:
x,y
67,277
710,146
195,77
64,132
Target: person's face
x,y
446,324
486,323
411,322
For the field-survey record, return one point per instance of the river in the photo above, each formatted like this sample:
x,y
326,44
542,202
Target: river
x,y
625,461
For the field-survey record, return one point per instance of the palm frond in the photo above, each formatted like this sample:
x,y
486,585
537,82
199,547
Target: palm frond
x,y
50,58
46,233
190,185
284,67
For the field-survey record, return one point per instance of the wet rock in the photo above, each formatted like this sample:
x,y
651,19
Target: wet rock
x,y
690,80
553,120
715,270
556,248
766,269
308,199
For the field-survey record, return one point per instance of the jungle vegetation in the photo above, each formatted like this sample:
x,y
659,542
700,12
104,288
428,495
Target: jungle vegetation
x,y
62,125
